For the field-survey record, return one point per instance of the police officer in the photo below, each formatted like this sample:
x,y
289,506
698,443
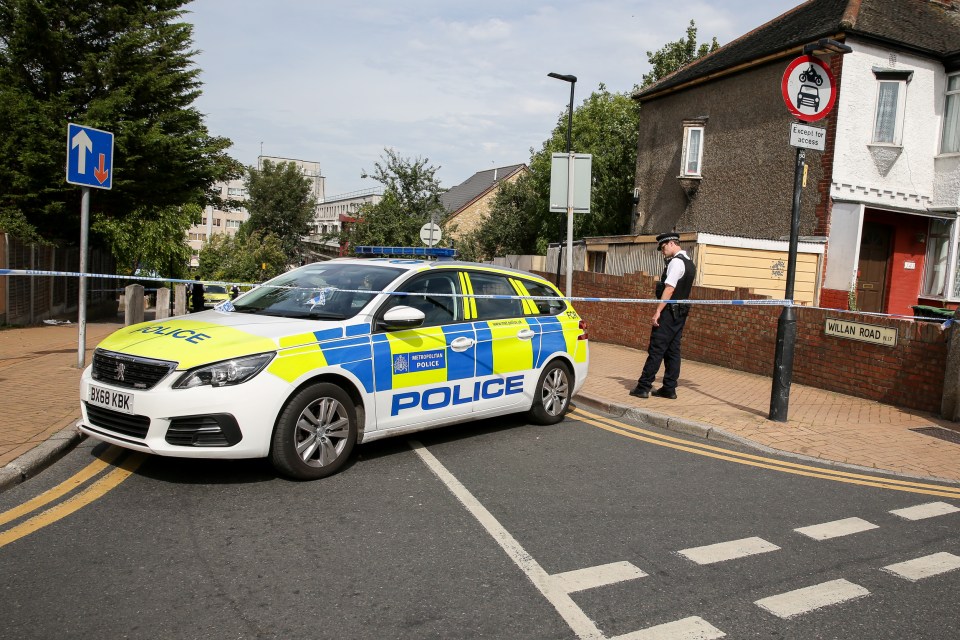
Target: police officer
x,y
668,320
196,294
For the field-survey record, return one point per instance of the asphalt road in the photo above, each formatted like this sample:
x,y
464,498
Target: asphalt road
x,y
473,532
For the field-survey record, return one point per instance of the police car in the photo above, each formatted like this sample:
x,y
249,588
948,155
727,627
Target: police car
x,y
332,354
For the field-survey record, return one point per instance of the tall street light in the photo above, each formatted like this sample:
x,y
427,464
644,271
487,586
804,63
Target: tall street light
x,y
573,83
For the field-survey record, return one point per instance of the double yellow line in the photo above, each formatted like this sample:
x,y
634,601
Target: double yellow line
x,y
719,453
74,503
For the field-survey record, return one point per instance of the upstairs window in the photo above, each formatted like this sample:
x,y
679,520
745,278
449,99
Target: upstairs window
x,y
692,157
950,142
891,105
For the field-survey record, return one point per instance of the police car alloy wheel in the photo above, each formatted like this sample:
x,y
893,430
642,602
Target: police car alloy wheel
x,y
553,395
315,433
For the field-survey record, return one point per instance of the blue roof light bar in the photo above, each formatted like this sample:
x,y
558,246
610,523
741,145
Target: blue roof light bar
x,y
432,252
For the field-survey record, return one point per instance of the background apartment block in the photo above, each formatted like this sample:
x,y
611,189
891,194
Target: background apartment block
x,y
228,221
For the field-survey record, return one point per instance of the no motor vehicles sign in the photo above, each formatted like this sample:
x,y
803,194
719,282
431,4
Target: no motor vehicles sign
x,y
808,88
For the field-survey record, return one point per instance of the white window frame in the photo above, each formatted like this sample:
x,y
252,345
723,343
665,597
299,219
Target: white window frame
x,y
901,86
898,78
955,94
688,130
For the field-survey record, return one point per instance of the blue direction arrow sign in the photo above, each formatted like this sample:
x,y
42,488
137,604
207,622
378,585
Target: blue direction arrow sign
x,y
89,157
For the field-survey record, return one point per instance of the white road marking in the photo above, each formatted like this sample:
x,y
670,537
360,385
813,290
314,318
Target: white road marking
x,y
728,550
793,603
924,567
692,628
836,528
929,510
551,590
593,577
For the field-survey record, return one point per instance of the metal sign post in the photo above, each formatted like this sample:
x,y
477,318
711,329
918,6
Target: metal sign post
x,y
809,91
89,164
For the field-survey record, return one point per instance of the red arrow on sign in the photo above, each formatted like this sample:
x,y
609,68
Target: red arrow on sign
x,y
100,173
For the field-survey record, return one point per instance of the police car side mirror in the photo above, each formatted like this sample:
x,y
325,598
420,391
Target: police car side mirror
x,y
401,317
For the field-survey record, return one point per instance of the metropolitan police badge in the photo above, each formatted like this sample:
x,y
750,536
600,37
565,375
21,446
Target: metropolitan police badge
x,y
400,364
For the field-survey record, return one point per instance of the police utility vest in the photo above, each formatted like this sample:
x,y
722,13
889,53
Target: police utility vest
x,y
683,288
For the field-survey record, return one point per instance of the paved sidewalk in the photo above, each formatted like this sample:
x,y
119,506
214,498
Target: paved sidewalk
x,y
39,405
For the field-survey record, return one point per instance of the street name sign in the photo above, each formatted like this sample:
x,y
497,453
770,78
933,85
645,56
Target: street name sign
x,y
807,137
808,88
89,157
872,333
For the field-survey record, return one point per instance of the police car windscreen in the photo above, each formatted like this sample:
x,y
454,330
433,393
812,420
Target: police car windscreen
x,y
331,291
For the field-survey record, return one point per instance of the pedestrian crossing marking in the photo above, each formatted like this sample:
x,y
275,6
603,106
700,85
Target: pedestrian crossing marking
x,y
928,510
692,628
732,550
800,601
925,567
601,576
837,528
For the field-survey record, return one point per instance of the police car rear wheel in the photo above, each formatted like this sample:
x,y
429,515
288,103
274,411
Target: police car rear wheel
x,y
315,434
552,395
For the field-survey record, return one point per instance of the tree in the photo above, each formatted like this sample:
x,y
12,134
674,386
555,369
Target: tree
x,y
675,55
507,229
280,202
411,197
126,67
251,257
606,126
147,242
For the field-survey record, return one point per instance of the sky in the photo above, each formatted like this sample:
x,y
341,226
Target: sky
x,y
462,85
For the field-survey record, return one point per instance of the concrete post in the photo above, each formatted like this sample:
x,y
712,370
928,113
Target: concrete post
x,y
950,401
163,303
134,308
179,299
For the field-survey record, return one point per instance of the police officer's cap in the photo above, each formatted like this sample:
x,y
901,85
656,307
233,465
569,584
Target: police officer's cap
x,y
664,238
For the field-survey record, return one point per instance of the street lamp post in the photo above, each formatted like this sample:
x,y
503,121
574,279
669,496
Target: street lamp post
x,y
573,83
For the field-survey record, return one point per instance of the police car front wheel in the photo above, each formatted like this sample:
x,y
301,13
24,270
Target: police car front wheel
x,y
315,434
552,397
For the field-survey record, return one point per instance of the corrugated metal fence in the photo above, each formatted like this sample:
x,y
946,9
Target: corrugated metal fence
x,y
30,299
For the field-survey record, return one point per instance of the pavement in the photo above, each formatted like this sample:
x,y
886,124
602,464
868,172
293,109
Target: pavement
x,y
39,406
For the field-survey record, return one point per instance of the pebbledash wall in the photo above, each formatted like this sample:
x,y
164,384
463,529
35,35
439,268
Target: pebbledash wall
x,y
743,337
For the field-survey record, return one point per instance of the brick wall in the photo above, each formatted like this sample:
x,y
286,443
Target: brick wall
x,y
744,338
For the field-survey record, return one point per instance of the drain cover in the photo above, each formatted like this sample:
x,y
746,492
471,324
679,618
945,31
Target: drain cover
x,y
937,432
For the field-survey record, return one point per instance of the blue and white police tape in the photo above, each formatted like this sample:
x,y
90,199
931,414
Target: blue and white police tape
x,y
329,290
322,292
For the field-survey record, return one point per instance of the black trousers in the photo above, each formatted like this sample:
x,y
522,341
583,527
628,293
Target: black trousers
x,y
664,348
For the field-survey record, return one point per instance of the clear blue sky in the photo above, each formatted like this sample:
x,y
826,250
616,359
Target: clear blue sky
x,y
462,84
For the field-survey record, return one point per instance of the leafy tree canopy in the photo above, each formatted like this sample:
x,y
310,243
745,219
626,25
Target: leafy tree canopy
x,y
411,196
606,126
280,202
142,239
507,230
675,55
125,67
251,257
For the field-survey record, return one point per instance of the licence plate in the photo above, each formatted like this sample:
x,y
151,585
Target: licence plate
x,y
116,400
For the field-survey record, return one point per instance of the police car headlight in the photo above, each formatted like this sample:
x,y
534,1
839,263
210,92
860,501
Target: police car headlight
x,y
228,372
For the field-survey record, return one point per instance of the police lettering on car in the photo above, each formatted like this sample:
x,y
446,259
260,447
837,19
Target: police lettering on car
x,y
332,354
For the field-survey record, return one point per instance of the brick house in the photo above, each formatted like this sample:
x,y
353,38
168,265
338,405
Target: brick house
x,y
468,203
714,154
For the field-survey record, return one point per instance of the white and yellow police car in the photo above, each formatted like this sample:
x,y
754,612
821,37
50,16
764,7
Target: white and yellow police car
x,y
337,353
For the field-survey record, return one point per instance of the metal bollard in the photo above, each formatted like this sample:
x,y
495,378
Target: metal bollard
x,y
163,303
133,314
179,299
